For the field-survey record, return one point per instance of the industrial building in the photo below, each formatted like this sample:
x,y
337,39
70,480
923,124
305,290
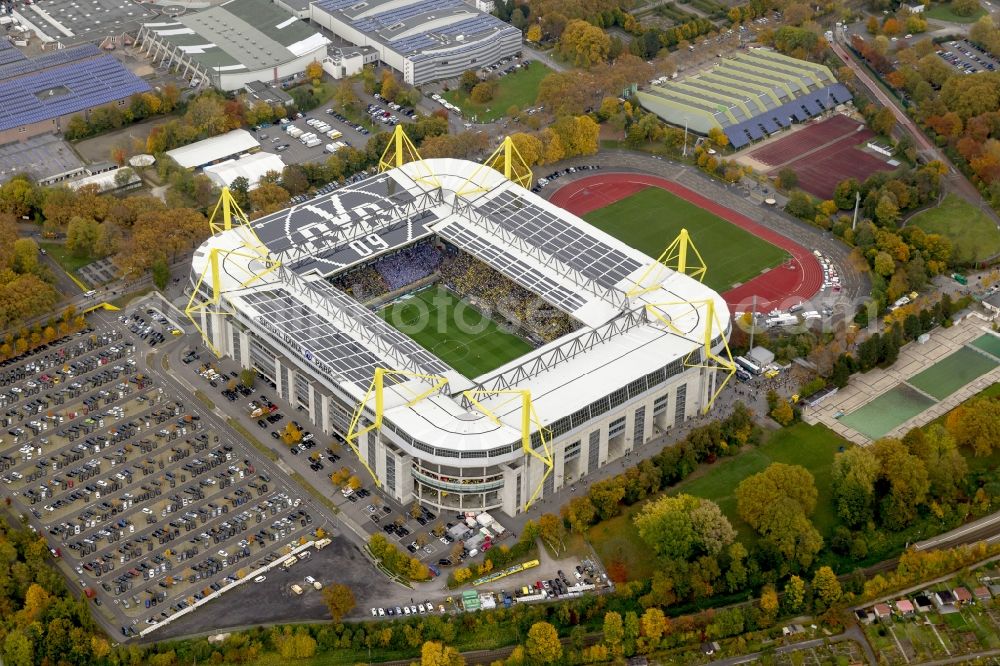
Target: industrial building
x,y
749,96
233,44
40,95
643,358
426,40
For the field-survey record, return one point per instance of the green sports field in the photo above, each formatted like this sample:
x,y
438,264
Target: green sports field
x,y
455,331
650,219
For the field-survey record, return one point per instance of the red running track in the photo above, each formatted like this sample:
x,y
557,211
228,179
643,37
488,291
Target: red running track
x,y
796,280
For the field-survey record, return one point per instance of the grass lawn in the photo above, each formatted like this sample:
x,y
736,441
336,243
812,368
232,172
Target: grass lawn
x,y
813,447
942,12
650,219
517,89
69,263
973,234
452,329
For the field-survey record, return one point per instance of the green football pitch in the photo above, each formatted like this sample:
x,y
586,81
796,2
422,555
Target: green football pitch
x,y
455,331
650,220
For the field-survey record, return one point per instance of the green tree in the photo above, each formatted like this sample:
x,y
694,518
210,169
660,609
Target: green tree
x,y
161,274
543,646
787,178
18,650
25,258
248,376
795,595
683,525
855,472
614,631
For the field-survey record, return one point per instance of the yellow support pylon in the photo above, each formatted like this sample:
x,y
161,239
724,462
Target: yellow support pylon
x,y
254,250
529,418
507,160
723,363
399,151
676,257
377,390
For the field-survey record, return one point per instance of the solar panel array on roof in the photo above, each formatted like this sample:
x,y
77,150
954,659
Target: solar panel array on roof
x,y
8,53
518,271
320,341
65,89
53,59
800,110
371,322
593,258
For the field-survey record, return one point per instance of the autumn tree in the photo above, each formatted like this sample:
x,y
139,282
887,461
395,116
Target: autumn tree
x,y
584,44
906,478
777,503
543,645
683,526
339,600
434,653
614,632
826,588
390,87
314,71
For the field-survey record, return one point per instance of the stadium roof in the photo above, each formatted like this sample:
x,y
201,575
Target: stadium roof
x,y
213,149
60,83
541,247
240,35
252,167
416,28
759,91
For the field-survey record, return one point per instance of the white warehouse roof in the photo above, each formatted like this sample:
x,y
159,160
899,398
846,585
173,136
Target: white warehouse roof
x,y
214,149
251,167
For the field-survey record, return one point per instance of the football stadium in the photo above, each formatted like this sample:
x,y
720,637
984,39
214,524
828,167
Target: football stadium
x,y
474,345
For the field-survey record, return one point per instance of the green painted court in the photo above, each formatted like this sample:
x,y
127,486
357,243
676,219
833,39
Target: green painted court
x,y
455,331
952,372
650,219
887,411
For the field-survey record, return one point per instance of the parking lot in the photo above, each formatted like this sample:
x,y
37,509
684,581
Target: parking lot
x,y
149,508
966,57
419,531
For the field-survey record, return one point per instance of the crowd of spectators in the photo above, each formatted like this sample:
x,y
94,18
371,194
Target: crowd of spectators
x,y
391,272
406,267
493,293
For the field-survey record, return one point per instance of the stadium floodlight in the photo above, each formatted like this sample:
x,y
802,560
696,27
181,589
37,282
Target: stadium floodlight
x,y
377,390
399,151
259,266
675,257
529,418
507,160
723,363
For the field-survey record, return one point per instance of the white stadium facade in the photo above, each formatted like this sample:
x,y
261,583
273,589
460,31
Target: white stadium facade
x,y
641,357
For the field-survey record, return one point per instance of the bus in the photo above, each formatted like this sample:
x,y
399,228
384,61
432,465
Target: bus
x,y
747,365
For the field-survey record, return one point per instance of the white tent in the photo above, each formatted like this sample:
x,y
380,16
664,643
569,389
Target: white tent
x,y
211,150
251,167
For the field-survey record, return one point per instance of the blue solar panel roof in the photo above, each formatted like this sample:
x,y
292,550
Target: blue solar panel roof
x,y
800,109
75,86
8,53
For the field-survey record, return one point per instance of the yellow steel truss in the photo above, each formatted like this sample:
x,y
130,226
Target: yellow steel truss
x,y
507,160
529,418
101,306
722,363
676,257
399,151
253,250
377,390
